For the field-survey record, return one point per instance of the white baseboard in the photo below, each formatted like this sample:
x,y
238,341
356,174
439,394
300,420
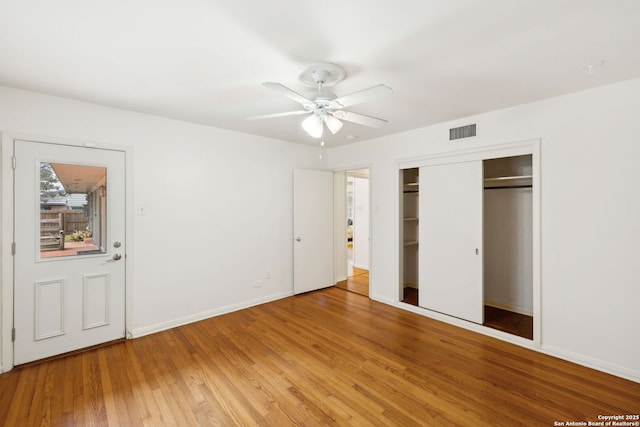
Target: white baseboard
x,y
381,299
163,326
589,362
510,307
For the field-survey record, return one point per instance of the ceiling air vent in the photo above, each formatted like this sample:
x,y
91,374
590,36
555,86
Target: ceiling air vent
x,y
462,132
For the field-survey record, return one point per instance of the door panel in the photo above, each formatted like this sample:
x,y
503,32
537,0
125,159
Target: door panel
x,y
450,233
312,230
69,276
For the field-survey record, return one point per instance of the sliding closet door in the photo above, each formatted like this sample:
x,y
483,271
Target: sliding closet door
x,y
451,239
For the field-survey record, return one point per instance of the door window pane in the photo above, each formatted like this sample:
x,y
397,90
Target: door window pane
x,y
72,209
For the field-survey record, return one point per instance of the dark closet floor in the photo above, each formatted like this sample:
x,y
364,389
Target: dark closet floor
x,y
496,318
410,296
508,321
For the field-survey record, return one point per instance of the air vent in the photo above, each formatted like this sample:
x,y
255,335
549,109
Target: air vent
x,y
462,132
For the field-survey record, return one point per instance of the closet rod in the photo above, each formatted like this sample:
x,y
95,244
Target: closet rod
x,y
508,186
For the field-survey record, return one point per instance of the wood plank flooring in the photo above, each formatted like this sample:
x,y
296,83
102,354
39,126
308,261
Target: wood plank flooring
x,y
357,282
323,358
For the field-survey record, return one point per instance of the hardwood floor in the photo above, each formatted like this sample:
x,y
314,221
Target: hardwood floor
x,y
357,282
323,358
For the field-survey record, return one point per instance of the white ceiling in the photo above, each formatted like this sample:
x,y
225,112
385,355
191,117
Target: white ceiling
x,y
203,61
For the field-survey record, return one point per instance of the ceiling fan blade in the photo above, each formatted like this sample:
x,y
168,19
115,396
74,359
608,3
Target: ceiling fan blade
x,y
364,95
333,124
361,119
271,116
288,93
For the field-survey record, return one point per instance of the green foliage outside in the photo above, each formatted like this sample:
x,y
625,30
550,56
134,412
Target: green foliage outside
x,y
50,186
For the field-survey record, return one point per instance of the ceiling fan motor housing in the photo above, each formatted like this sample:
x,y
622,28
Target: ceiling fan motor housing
x,y
320,98
320,76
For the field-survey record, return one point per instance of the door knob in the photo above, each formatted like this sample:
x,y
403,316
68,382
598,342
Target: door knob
x,y
117,257
298,239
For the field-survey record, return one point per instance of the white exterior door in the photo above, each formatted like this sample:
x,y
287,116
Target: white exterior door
x,y
450,233
69,289
312,230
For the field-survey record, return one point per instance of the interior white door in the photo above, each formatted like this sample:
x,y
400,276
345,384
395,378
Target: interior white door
x,y
68,295
450,233
312,230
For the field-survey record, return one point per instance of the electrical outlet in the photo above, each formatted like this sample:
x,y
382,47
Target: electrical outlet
x,y
268,275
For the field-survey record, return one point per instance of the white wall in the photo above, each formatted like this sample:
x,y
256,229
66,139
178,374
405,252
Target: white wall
x,y
218,206
508,246
590,214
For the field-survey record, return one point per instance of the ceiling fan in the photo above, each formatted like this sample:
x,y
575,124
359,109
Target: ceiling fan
x,y
324,107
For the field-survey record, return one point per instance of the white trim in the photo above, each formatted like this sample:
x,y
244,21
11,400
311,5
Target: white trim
x,y
7,139
6,231
163,326
507,149
510,307
592,363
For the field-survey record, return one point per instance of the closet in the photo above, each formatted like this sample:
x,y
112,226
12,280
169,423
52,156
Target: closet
x,y
508,245
410,191
473,218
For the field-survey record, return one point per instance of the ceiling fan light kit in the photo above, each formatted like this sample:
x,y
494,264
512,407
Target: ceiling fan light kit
x,y
324,107
313,126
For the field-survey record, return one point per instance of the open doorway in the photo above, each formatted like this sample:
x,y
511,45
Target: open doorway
x,y
354,241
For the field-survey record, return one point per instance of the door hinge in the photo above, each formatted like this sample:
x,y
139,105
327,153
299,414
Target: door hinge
x,y
13,334
13,248
13,162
